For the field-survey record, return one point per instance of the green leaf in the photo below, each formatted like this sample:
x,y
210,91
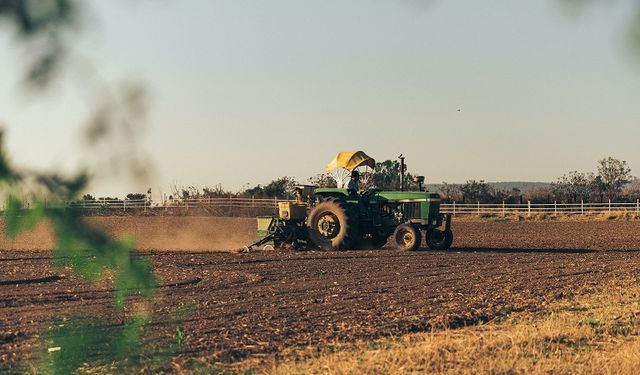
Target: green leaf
x,y
19,219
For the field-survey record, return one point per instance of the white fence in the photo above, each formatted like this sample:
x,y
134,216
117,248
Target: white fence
x,y
131,204
270,205
529,208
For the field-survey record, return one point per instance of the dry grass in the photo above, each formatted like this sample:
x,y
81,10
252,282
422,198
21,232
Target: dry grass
x,y
590,334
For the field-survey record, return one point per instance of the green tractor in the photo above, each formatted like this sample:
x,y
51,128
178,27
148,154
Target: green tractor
x,y
340,219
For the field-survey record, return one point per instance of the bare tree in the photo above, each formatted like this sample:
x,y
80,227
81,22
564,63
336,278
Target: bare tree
x,y
574,186
614,174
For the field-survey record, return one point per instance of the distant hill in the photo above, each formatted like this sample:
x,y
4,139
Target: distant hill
x,y
524,186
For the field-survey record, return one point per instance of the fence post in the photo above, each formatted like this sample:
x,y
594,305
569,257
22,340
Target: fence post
x,y
637,207
609,206
503,209
582,207
555,208
253,201
454,208
529,208
124,205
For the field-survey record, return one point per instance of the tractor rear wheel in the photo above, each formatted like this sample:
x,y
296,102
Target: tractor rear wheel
x,y
407,237
439,239
331,225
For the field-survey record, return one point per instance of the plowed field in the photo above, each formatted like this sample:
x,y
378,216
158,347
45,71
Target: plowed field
x,y
264,303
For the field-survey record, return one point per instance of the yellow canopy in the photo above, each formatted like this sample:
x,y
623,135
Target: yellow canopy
x,y
351,160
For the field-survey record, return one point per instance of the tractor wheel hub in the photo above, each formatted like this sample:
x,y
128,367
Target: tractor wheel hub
x,y
328,225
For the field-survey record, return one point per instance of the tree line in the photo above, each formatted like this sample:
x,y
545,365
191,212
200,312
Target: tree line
x,y
385,176
612,180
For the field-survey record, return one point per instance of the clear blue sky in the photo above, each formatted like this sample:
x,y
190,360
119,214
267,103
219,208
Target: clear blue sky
x,y
247,91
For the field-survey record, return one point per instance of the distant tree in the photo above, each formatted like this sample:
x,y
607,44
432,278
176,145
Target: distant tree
x,y
505,195
88,197
215,192
451,192
324,180
283,187
575,186
411,182
180,192
476,191
189,192
541,194
136,196
515,195
386,176
631,192
614,175
256,191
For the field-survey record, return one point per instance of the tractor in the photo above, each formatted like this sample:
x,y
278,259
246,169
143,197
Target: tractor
x,y
340,219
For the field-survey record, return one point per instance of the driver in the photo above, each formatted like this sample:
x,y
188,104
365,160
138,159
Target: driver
x,y
353,186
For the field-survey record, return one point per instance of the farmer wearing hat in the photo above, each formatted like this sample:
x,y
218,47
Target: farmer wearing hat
x,y
353,187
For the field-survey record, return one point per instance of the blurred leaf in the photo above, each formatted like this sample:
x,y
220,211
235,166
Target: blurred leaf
x,y
633,36
70,344
32,17
74,343
135,102
7,174
91,252
128,342
99,126
18,219
574,7
65,188
43,24
92,344
44,67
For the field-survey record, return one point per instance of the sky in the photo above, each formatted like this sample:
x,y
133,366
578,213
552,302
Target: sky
x,y
242,92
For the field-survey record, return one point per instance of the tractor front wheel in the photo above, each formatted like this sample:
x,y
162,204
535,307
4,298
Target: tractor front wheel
x,y
407,237
331,226
439,239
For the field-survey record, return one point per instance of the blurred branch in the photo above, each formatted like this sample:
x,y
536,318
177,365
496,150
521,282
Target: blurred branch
x,y
574,7
41,25
633,36
43,28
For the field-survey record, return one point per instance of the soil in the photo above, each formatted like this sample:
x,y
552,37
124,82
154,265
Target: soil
x,y
258,304
177,233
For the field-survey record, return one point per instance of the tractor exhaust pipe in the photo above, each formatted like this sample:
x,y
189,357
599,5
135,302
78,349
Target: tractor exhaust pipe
x,y
403,168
